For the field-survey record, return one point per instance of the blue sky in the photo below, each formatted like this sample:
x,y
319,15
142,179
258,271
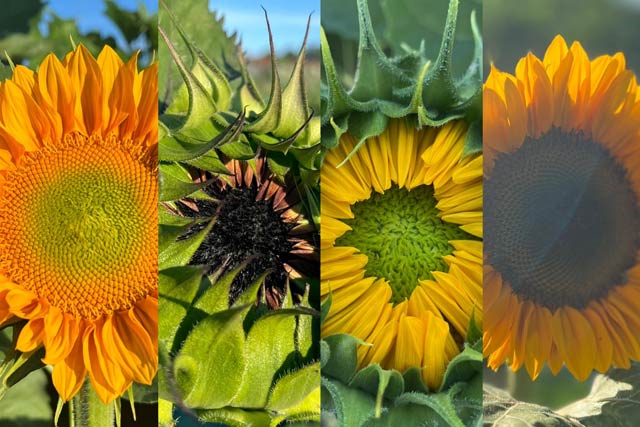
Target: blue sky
x,y
288,20
90,14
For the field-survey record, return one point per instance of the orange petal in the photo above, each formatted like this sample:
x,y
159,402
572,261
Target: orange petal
x,y
69,374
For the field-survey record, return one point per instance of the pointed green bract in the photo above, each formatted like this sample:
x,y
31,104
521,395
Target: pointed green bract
x,y
377,397
203,94
408,84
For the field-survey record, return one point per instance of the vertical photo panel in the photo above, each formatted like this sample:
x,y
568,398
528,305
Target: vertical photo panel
x,y
562,218
78,213
239,153
401,213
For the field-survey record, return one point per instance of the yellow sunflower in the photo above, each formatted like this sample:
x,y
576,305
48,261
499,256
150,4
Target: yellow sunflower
x,y
78,218
400,252
562,180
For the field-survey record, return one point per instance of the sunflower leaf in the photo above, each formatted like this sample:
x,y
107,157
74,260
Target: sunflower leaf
x,y
501,410
614,400
176,253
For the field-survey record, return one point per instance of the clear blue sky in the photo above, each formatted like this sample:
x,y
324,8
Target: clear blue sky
x,y
288,20
90,14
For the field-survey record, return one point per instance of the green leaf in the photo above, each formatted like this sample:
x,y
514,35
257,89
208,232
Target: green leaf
x,y
216,298
343,363
501,410
463,367
181,148
213,349
203,27
27,403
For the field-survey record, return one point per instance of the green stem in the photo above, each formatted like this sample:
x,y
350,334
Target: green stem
x,y
512,382
87,410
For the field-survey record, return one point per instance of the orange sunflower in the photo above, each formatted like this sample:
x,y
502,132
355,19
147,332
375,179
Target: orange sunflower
x,y
78,218
562,214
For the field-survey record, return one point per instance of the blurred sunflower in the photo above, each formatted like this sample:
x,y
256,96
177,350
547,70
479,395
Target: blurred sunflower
x,y
78,218
401,257
258,227
562,179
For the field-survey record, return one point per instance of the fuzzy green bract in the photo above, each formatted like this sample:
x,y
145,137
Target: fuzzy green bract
x,y
240,363
404,85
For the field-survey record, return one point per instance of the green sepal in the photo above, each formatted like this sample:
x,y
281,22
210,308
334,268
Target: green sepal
x,y
172,253
178,287
213,349
400,86
175,183
374,396
181,148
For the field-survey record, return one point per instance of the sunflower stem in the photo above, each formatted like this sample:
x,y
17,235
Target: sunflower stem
x,y
89,411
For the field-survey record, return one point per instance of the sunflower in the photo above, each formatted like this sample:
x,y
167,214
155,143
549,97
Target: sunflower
x,y
401,259
78,218
258,226
562,179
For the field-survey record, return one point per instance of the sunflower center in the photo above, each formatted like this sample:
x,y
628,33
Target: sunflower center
x,y
245,229
78,227
562,220
403,237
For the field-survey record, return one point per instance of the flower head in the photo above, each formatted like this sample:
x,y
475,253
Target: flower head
x,y
258,227
78,215
562,182
400,251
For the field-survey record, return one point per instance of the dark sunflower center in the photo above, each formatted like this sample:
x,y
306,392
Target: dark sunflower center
x,y
403,237
562,222
245,229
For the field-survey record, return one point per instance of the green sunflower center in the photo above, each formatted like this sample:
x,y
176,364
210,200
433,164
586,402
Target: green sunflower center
x,y
562,222
403,237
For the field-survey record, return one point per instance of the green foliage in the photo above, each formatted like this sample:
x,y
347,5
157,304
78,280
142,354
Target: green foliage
x,y
260,362
613,401
27,404
24,40
410,83
207,94
377,397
